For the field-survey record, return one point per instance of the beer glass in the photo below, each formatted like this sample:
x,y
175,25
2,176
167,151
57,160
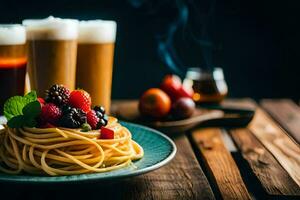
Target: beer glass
x,y
52,49
12,61
95,55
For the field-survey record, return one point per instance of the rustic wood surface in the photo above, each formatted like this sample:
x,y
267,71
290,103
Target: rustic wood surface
x,y
220,163
274,179
283,148
181,179
245,103
286,113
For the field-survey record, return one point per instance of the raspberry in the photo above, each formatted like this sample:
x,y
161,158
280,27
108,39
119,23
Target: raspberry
x,y
50,114
92,119
42,101
80,99
58,94
96,119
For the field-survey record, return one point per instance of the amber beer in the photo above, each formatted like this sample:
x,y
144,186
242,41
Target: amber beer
x,y
12,61
52,49
95,55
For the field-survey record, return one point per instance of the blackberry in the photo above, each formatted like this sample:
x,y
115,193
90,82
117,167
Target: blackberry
x,y
102,122
100,112
58,95
65,108
73,118
99,109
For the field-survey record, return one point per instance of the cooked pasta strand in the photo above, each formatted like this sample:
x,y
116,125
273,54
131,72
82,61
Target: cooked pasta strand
x,y
63,151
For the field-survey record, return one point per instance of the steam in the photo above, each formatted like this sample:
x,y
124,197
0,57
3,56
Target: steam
x,y
184,13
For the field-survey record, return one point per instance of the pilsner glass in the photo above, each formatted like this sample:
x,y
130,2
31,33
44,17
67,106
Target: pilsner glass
x,y
96,43
12,61
52,50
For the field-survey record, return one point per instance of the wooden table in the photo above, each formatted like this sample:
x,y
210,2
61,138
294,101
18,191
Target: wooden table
x,y
263,162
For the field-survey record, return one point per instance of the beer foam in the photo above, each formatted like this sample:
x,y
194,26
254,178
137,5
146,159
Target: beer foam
x,y
51,28
97,31
12,34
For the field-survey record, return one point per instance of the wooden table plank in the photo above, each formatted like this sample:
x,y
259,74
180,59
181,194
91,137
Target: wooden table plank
x,y
286,113
274,179
181,179
220,164
276,140
245,103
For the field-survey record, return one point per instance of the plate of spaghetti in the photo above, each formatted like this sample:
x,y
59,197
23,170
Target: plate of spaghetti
x,y
60,139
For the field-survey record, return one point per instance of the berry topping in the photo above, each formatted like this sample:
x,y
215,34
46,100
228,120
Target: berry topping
x,y
102,122
80,99
99,114
42,101
50,114
100,109
96,119
73,118
106,133
92,119
58,95
65,108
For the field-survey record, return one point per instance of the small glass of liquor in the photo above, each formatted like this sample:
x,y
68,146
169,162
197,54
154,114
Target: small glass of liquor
x,y
209,85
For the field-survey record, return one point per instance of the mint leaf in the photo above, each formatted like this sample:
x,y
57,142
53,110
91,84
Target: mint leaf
x,y
22,111
14,105
16,122
28,119
30,122
32,109
31,96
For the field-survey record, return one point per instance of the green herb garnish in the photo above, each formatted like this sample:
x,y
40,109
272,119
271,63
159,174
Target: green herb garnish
x,y
85,127
22,111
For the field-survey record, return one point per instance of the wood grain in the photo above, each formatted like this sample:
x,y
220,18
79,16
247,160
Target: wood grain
x,y
276,140
286,113
181,179
220,164
274,179
245,103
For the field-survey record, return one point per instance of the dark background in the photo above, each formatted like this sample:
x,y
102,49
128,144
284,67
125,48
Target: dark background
x,y
255,42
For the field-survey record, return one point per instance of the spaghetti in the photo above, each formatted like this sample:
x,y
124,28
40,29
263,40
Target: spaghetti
x,y
64,151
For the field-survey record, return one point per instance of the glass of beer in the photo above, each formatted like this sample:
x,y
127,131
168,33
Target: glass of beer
x,y
52,49
95,55
12,61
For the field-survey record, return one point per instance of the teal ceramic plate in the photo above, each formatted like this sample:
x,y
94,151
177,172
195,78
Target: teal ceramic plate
x,y
158,148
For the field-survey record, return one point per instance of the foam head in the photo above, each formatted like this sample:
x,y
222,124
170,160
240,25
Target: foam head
x,y
97,31
51,28
12,34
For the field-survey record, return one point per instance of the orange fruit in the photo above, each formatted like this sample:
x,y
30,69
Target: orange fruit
x,y
155,103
